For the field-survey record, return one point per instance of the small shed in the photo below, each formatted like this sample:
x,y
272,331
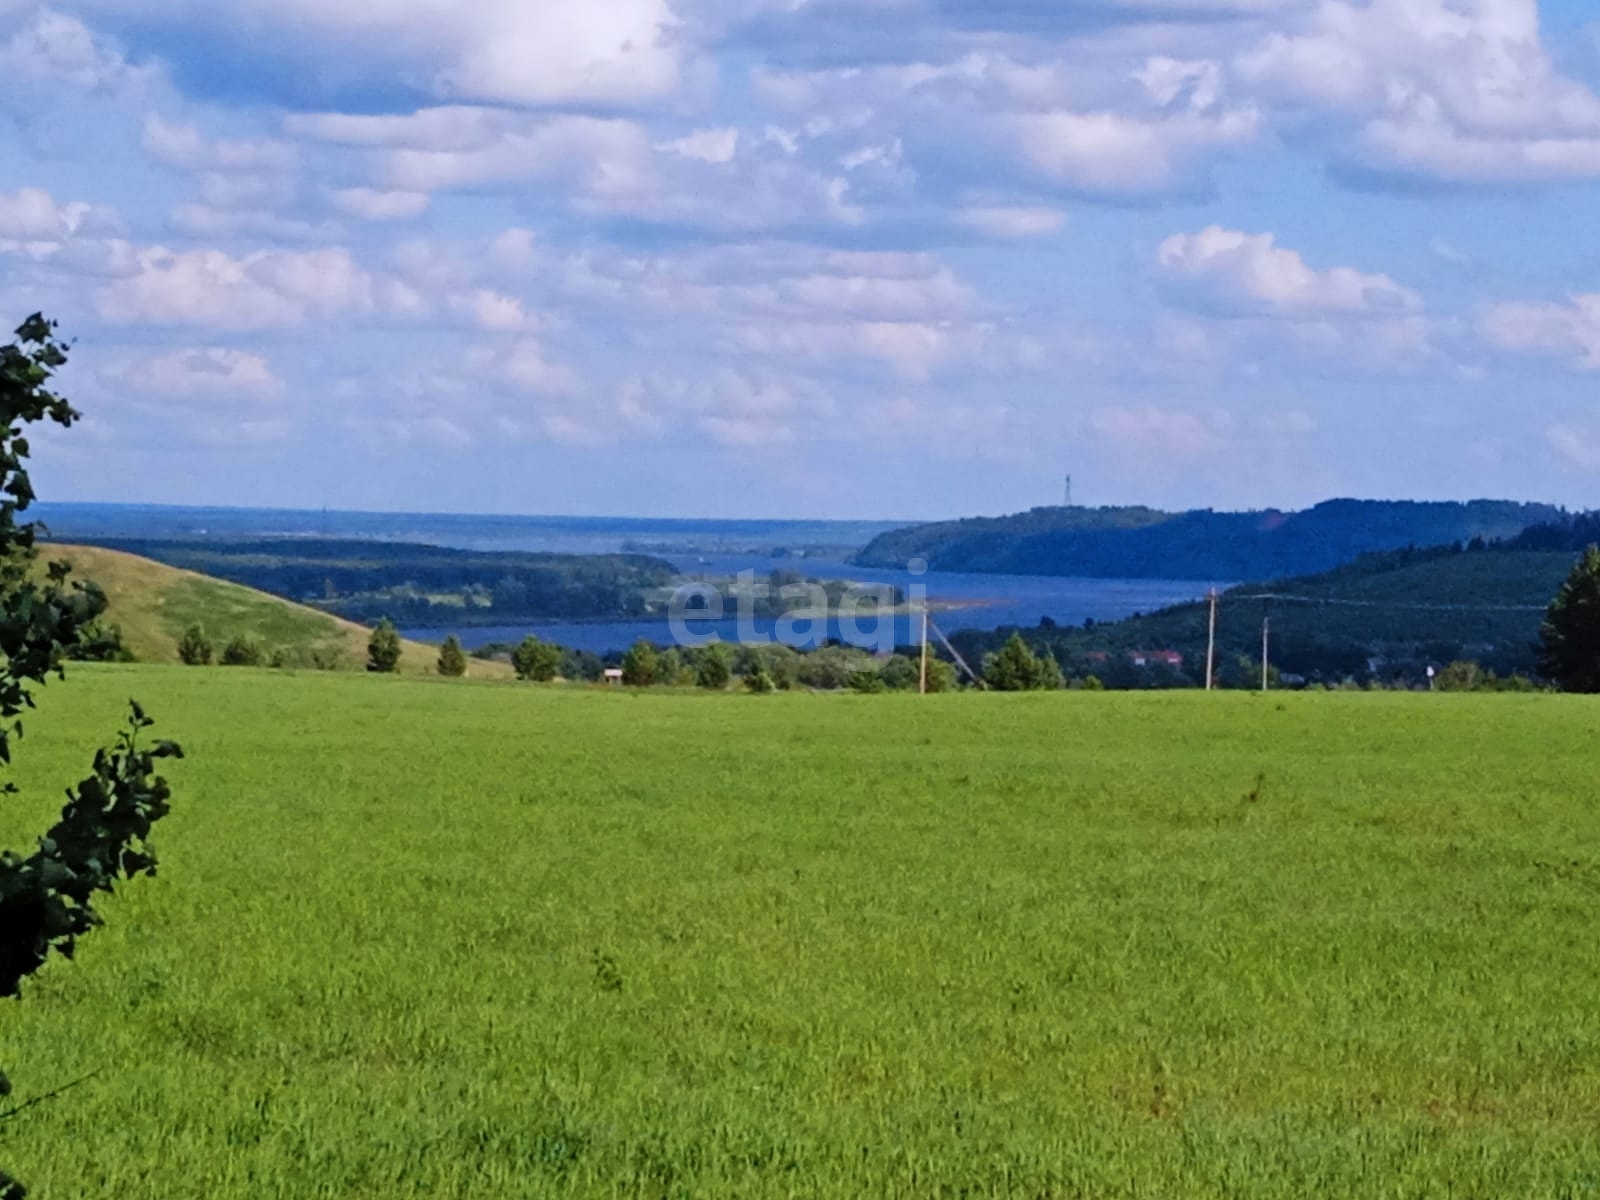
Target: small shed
x,y
613,675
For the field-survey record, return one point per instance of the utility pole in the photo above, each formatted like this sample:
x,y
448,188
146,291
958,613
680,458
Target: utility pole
x,y
1266,643
924,648
1211,646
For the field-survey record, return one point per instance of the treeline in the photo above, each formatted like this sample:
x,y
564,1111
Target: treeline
x,y
1384,619
422,586
1141,543
770,668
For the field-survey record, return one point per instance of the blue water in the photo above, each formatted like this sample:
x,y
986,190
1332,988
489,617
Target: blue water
x,y
986,602
716,548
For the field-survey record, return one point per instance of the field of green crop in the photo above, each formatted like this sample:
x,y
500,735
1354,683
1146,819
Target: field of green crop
x,y
427,939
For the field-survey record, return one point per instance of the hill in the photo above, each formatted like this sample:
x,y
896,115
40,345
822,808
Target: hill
x,y
153,604
414,938
1386,616
1141,543
420,586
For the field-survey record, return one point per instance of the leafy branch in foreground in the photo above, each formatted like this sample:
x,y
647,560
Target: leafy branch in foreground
x,y
47,898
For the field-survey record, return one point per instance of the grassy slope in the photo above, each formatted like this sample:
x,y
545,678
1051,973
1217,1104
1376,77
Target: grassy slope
x,y
154,604
586,944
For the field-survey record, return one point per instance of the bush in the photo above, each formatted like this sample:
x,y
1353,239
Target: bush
x,y
194,647
1015,668
639,665
712,670
383,649
868,682
100,643
244,651
535,661
901,674
452,659
759,682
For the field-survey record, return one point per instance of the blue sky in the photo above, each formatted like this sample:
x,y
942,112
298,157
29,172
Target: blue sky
x,y
835,258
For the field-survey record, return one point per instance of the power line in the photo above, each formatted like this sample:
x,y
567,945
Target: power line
x,y
1387,604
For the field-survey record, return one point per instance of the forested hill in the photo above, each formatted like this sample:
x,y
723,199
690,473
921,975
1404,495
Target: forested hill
x,y
1141,543
1386,615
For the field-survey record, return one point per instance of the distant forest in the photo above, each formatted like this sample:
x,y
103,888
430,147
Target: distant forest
x,y
1142,543
1384,617
421,586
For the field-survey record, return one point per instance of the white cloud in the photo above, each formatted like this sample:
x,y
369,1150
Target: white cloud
x,y
185,147
1579,446
1568,330
496,51
1112,153
1012,221
1150,429
1251,274
371,205
32,214
215,371
276,288
1461,91
707,145
54,48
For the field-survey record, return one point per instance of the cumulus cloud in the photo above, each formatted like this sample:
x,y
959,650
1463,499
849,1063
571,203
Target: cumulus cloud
x,y
1460,91
1012,221
213,371
52,48
368,204
1567,329
1251,274
1577,445
32,214
276,288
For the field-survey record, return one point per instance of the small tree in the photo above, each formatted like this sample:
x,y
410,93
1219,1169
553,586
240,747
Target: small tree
x,y
1014,668
383,649
452,659
639,665
536,661
670,671
243,651
194,648
868,682
48,896
760,682
1048,676
941,676
713,671
1570,635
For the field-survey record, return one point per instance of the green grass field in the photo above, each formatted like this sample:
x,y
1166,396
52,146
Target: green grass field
x,y
416,938
152,604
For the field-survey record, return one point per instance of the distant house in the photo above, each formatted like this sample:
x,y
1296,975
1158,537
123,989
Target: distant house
x,y
1157,658
613,675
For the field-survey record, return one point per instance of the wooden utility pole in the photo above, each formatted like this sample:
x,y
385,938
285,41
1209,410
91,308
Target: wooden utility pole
x,y
1211,646
924,648
1266,643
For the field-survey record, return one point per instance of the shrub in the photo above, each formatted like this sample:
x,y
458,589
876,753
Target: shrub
x,y
194,647
535,661
868,682
244,651
639,665
383,649
452,659
711,670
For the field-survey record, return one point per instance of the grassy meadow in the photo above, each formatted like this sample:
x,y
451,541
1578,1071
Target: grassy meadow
x,y
153,604
422,938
